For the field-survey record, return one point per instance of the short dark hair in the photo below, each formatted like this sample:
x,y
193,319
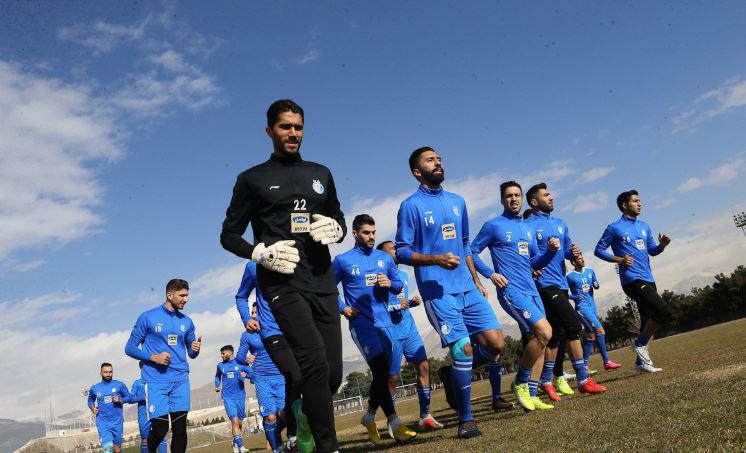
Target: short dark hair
x,y
414,158
534,189
362,219
227,347
528,213
504,186
380,244
624,198
281,106
176,284
106,364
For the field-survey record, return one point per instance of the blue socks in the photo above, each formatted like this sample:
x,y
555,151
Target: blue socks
x,y
163,448
533,388
601,343
495,370
143,448
270,431
642,340
579,366
423,395
587,350
546,372
461,381
523,375
238,441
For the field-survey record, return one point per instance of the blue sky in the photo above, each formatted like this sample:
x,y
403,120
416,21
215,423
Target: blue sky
x,y
124,126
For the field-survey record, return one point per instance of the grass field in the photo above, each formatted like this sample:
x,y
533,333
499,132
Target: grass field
x,y
696,403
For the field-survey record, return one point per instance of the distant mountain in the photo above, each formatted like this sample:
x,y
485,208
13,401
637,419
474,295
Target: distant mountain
x,y
13,434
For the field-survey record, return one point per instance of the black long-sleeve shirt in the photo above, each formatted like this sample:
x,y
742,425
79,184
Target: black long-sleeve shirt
x,y
278,198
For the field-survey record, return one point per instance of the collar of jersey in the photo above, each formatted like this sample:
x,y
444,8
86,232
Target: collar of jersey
x,y
292,160
511,216
542,215
173,313
431,192
363,250
628,219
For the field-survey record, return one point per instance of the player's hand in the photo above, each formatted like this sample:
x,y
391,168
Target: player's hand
x,y
197,344
553,243
448,261
576,252
383,281
404,304
325,230
164,358
625,260
217,389
94,410
116,399
250,359
415,301
499,280
280,257
664,240
350,312
252,325
482,289
536,273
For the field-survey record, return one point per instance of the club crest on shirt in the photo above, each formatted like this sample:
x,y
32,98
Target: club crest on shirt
x,y
317,186
236,367
152,408
182,328
456,211
561,230
114,390
644,233
380,263
98,393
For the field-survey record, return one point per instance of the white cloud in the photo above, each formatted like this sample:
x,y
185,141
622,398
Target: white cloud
x,y
217,283
311,55
52,133
590,202
666,202
102,37
729,96
596,173
717,176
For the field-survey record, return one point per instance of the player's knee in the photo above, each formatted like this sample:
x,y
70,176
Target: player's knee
x,y
270,418
590,336
179,422
543,333
572,331
423,368
461,349
600,331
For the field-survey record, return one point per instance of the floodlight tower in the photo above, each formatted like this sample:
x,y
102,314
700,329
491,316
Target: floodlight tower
x,y
740,221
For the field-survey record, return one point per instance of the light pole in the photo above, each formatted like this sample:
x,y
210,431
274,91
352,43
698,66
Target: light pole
x,y
740,221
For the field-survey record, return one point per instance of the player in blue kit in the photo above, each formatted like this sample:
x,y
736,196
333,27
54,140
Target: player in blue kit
x,y
105,400
139,395
369,278
632,241
162,338
515,254
268,383
408,343
553,288
229,382
433,236
582,282
279,350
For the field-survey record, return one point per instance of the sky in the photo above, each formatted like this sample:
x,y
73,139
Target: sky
x,y
123,126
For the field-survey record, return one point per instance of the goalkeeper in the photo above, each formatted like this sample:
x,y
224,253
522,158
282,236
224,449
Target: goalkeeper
x,y
294,213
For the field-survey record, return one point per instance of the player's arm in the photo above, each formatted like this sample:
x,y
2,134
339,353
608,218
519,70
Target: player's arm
x,y
138,392
601,251
405,251
483,239
92,401
237,219
540,260
125,395
656,248
333,209
393,275
243,349
137,337
218,378
594,282
249,372
248,284
192,345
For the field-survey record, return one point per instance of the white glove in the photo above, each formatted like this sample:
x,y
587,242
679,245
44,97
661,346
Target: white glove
x,y
325,230
279,257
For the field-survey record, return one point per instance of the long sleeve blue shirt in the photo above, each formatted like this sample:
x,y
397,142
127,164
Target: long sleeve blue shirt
x,y
433,222
546,226
514,251
161,330
267,324
628,236
101,395
581,286
263,366
228,378
357,269
139,396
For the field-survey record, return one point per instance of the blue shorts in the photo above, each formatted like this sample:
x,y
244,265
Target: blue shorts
x,y
270,392
144,424
166,397
371,341
589,320
526,309
109,433
456,316
235,408
406,341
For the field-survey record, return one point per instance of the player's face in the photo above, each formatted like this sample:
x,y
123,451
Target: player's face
x,y
512,200
178,298
544,201
389,248
226,355
365,236
634,206
580,261
287,133
107,373
430,170
253,311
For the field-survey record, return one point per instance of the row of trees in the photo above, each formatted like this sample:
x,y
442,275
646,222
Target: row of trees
x,y
724,300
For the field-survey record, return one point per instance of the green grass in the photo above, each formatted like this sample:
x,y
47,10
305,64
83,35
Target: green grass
x,y
696,403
